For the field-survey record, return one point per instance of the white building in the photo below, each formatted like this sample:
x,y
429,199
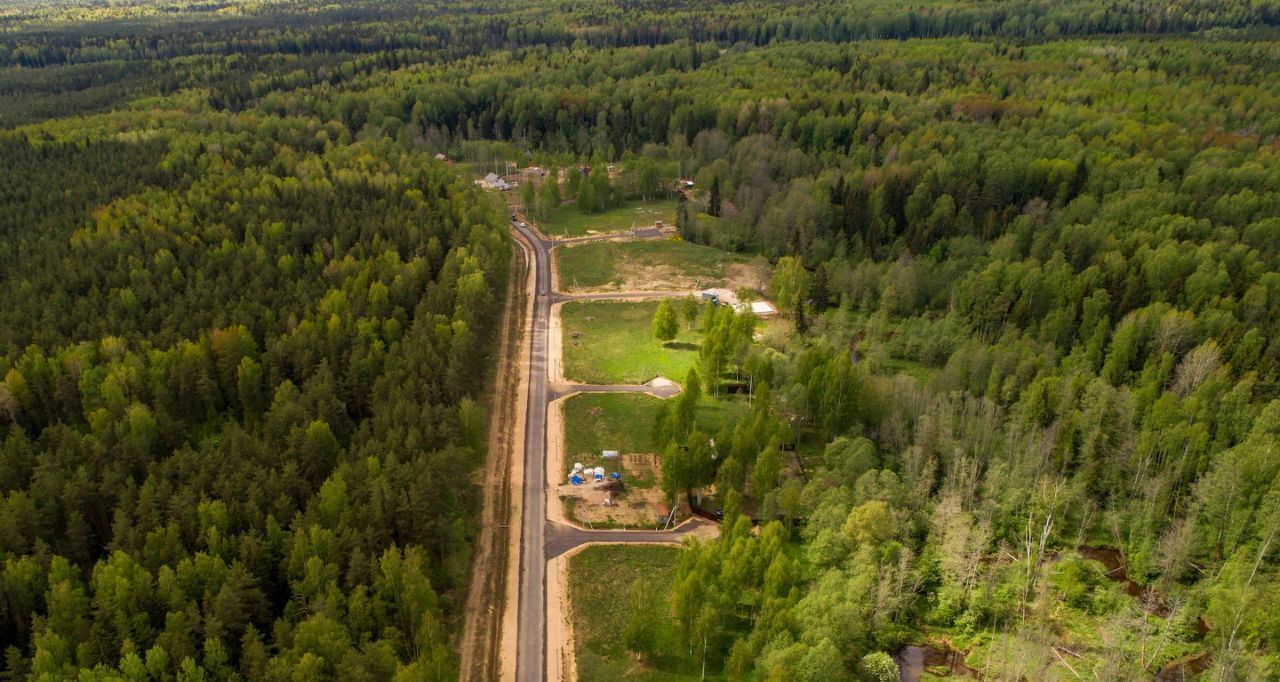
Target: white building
x,y
761,308
495,181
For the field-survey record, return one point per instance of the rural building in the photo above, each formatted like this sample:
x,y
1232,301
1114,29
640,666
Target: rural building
x,y
760,308
494,181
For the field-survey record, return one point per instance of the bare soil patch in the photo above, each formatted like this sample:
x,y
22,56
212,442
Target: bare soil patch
x,y
618,503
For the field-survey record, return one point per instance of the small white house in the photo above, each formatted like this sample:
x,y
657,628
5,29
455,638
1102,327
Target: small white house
x,y
495,181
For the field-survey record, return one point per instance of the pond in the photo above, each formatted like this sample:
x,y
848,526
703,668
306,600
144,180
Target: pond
x,y
914,660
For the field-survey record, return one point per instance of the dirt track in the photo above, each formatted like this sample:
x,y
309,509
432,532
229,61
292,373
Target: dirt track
x,y
481,644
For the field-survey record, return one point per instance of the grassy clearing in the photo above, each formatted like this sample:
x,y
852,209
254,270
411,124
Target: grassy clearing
x,y
611,342
624,422
600,579
617,421
715,415
568,221
664,264
916,370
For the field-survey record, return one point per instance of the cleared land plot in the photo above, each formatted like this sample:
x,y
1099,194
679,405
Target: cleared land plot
x,y
600,580
568,221
624,422
631,504
611,342
613,421
644,265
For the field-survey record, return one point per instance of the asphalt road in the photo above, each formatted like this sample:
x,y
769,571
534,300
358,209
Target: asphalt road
x,y
561,538
557,297
650,232
562,390
532,612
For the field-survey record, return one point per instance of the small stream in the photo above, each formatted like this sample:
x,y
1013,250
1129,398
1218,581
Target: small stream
x,y
1117,570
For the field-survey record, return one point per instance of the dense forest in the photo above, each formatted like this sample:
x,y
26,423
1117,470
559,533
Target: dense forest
x,y
239,405
1028,249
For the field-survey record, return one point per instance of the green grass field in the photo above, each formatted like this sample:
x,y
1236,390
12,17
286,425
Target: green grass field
x,y
611,342
600,579
624,422
662,264
615,421
714,415
568,221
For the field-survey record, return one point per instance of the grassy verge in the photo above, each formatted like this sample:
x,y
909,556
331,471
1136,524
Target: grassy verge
x,y
568,221
611,342
600,580
662,264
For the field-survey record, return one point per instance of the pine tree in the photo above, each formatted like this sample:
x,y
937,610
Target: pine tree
x,y
713,201
682,220
819,293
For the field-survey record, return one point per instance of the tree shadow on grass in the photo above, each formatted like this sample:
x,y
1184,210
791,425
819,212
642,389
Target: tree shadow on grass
x,y
681,345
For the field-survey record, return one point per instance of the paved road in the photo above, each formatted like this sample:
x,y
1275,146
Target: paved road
x,y
532,612
540,539
625,235
557,297
562,538
658,391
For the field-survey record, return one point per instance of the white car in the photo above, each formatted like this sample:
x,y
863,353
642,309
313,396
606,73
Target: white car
x,y
523,224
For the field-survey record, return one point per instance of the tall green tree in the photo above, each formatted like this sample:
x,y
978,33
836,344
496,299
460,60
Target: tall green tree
x,y
665,321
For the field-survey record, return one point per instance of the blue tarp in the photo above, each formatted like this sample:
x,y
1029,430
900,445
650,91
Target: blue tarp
x,y
615,476
575,479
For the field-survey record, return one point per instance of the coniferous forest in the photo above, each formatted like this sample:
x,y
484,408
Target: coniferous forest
x,y
1028,252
